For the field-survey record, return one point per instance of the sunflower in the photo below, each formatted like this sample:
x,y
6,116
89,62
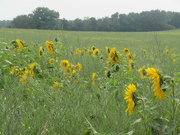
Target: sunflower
x,y
78,66
108,73
131,65
49,45
93,48
167,52
93,78
32,65
142,72
130,97
113,56
158,92
126,50
51,61
41,50
33,69
107,50
18,45
64,63
15,71
78,52
108,63
56,86
129,56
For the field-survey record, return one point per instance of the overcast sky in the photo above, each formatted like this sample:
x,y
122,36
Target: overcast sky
x,y
72,9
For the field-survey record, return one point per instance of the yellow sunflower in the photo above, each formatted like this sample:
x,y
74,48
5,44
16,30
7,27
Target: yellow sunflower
x,y
126,50
51,61
41,50
78,66
49,45
129,97
113,56
107,50
64,63
167,52
130,65
142,72
19,44
56,86
158,92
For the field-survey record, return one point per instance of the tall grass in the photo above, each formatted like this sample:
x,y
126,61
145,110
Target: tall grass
x,y
80,104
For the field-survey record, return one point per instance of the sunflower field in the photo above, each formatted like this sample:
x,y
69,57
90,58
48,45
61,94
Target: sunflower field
x,y
86,83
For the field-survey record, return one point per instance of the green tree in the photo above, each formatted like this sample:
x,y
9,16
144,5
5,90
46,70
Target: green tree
x,y
175,21
22,21
44,18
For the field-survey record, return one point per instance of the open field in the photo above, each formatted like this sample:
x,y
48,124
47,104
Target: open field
x,y
69,83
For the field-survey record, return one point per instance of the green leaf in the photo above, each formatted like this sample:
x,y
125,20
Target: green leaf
x,y
130,132
136,121
171,126
177,99
176,73
166,82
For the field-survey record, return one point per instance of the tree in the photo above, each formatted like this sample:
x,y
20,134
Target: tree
x,y
44,18
22,21
5,23
175,21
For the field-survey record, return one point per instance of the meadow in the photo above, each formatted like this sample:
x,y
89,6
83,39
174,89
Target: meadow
x,y
85,83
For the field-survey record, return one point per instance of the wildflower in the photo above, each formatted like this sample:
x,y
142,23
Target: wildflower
x,y
51,61
49,45
130,97
89,52
93,78
24,75
108,74
131,65
142,72
158,92
126,50
68,68
78,66
15,71
32,67
144,51
167,52
95,52
129,56
18,44
78,52
108,63
107,50
93,48
113,56
56,86
41,50
64,63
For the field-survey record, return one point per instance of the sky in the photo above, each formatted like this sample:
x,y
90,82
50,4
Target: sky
x,y
72,9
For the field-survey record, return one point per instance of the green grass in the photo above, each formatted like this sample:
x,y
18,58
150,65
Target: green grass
x,y
79,107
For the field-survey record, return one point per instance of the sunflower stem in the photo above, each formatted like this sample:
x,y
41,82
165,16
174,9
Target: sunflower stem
x,y
144,118
173,106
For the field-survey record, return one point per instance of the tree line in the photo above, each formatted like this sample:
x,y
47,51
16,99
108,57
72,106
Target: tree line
x,y
44,18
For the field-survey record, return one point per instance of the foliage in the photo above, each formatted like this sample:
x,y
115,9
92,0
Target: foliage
x,y
5,23
74,82
41,18
154,20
